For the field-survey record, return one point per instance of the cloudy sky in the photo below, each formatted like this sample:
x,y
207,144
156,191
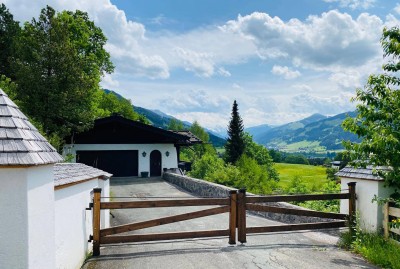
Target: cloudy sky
x,y
281,60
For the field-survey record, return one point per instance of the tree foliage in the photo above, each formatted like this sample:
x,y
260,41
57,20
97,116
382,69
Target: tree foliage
x,y
107,103
234,147
195,152
378,121
9,29
58,63
175,125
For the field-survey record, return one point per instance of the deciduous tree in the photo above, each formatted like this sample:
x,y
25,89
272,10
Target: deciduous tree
x,y
378,121
60,58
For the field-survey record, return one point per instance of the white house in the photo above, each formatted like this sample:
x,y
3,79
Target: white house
x,y
368,184
27,221
125,147
44,222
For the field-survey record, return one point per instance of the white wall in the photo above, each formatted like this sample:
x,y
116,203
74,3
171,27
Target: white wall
x,y
27,217
40,181
74,224
14,218
144,162
370,213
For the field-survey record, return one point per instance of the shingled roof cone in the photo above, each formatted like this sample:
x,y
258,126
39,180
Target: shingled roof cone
x,y
20,142
26,192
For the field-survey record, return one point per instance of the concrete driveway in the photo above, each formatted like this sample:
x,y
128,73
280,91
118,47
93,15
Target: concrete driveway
x,y
277,250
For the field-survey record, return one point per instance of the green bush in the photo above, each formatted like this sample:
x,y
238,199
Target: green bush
x,y
374,248
255,177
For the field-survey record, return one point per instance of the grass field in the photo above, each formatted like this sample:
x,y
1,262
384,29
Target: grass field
x,y
311,175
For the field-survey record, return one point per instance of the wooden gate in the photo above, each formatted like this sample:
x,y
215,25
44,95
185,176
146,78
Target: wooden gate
x,y
236,204
105,236
250,203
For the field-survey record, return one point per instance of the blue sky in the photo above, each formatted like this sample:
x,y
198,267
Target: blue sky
x,y
281,60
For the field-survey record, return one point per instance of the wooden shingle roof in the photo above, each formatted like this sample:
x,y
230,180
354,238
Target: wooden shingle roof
x,y
361,173
21,144
71,173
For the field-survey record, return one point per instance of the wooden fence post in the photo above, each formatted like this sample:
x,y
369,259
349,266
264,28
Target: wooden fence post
x,y
352,206
96,221
232,217
385,223
242,216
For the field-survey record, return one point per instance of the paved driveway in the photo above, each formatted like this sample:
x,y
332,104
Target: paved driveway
x,y
278,250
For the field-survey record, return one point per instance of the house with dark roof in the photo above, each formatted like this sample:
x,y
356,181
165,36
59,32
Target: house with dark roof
x,y
126,148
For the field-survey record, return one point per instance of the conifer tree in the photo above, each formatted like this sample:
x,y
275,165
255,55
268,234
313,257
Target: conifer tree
x,y
234,147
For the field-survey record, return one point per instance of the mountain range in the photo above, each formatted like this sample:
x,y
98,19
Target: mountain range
x,y
317,133
314,134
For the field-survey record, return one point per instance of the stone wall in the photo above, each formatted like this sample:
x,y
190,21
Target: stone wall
x,y
204,188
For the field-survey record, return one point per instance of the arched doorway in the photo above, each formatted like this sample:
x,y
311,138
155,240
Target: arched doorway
x,y
155,163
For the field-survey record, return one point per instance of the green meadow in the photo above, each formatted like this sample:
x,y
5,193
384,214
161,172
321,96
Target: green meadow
x,y
313,176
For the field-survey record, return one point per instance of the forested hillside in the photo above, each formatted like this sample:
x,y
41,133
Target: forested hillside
x,y
316,133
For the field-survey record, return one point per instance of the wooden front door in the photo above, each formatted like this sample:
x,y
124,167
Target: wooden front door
x,y
155,163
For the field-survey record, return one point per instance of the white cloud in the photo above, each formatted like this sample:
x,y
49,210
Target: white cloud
x,y
199,62
285,72
210,120
223,72
397,8
108,82
329,42
354,4
350,80
196,101
308,103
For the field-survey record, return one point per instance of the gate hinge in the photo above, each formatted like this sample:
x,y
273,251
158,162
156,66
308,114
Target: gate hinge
x,y
90,238
90,206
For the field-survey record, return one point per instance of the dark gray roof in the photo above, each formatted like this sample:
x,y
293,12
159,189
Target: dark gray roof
x,y
21,144
67,173
192,139
361,173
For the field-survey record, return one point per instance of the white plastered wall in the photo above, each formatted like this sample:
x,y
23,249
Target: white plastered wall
x,y
74,223
27,225
144,162
370,213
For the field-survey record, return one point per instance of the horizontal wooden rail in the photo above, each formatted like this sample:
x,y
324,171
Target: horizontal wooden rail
x,y
165,203
162,236
162,221
395,212
298,212
296,198
387,212
296,227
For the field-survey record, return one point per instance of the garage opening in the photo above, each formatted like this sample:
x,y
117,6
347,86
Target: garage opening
x,y
120,163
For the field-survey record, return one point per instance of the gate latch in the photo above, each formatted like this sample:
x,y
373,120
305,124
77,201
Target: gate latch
x,y
90,238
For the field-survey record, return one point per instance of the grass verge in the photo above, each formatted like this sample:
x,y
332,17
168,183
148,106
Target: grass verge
x,y
374,248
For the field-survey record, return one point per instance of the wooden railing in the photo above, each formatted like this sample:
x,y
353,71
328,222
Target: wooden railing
x,y
390,213
236,204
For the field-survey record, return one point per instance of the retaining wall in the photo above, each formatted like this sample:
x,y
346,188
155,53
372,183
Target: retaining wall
x,y
204,188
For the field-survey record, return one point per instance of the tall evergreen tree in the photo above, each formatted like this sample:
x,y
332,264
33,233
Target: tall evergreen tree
x,y
234,147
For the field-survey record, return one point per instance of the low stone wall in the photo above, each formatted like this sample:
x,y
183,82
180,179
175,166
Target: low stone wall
x,y
196,186
204,188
